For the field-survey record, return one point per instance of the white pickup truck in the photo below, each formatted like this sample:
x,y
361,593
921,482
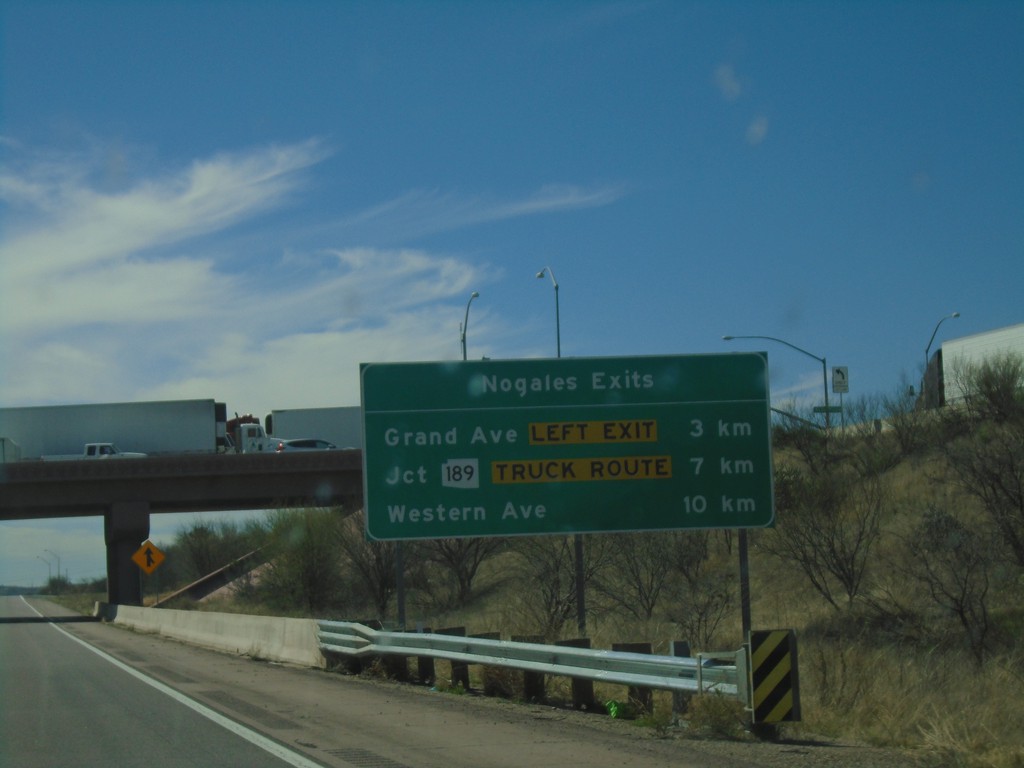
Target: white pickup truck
x,y
96,451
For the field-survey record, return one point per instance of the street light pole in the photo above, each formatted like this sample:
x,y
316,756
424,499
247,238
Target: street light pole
x,y
558,322
824,366
465,323
49,571
743,546
927,351
58,561
581,595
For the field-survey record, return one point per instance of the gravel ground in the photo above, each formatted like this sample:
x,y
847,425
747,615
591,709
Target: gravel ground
x,y
800,752
806,753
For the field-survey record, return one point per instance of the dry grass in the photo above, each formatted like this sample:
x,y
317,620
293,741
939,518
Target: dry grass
x,y
940,704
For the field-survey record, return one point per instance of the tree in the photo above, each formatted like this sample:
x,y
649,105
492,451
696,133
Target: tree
x,y
827,526
704,594
546,576
374,563
989,465
195,547
988,459
209,546
952,561
905,418
993,390
462,559
805,437
304,560
634,573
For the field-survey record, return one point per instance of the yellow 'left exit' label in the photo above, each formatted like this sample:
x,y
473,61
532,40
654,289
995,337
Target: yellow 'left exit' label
x,y
576,432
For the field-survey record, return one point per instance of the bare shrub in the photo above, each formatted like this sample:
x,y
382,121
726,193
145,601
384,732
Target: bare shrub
x,y
805,437
545,573
634,575
460,560
304,564
716,715
201,548
989,465
700,591
374,563
827,526
906,419
703,606
952,560
993,389
988,460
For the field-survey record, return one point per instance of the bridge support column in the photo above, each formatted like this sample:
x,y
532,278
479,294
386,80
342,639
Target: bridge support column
x,y
125,527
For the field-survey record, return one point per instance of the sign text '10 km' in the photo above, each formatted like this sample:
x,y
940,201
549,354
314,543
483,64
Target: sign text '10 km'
x,y
572,445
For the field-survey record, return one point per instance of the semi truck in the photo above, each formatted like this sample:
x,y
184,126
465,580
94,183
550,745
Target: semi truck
x,y
154,427
245,434
339,425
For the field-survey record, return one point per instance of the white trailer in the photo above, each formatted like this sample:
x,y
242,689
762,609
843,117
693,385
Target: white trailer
x,y
9,450
960,355
342,426
154,428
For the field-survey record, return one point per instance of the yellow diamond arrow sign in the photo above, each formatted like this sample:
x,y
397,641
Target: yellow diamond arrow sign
x,y
148,556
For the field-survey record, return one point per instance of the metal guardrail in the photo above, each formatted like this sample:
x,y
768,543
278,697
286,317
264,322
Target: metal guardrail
x,y
703,674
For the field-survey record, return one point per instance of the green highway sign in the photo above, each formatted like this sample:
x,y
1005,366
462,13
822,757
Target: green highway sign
x,y
828,409
570,445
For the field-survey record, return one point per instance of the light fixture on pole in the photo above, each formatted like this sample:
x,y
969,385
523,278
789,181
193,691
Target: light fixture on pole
x,y
465,323
58,561
927,352
824,365
558,322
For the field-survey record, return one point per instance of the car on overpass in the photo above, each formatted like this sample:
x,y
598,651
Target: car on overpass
x,y
305,444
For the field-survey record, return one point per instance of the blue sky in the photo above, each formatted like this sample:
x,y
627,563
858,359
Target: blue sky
x,y
243,201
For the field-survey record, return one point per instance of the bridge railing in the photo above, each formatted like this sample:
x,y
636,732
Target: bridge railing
x,y
724,673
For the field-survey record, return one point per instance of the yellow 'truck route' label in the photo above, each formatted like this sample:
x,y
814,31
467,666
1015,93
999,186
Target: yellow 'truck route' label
x,y
574,470
574,432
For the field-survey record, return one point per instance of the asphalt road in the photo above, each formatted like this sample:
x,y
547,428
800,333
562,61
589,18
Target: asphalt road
x,y
83,693
67,702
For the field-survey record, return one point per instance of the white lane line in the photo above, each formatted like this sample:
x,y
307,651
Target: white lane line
x,y
268,745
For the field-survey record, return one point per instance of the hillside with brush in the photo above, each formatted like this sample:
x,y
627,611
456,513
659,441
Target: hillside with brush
x,y
897,556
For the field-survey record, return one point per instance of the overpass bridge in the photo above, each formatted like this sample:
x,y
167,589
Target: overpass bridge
x,y
125,492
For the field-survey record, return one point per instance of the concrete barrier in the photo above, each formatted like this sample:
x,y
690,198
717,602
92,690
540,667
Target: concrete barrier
x,y
272,638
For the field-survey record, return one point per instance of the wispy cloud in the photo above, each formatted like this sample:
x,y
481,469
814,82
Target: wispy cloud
x,y
727,83
757,130
136,294
588,18
422,212
88,265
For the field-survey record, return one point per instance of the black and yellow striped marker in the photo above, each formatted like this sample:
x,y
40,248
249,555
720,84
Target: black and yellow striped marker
x,y
774,682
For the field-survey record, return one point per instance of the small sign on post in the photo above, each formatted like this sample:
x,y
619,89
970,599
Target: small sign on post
x,y
148,557
840,379
829,409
